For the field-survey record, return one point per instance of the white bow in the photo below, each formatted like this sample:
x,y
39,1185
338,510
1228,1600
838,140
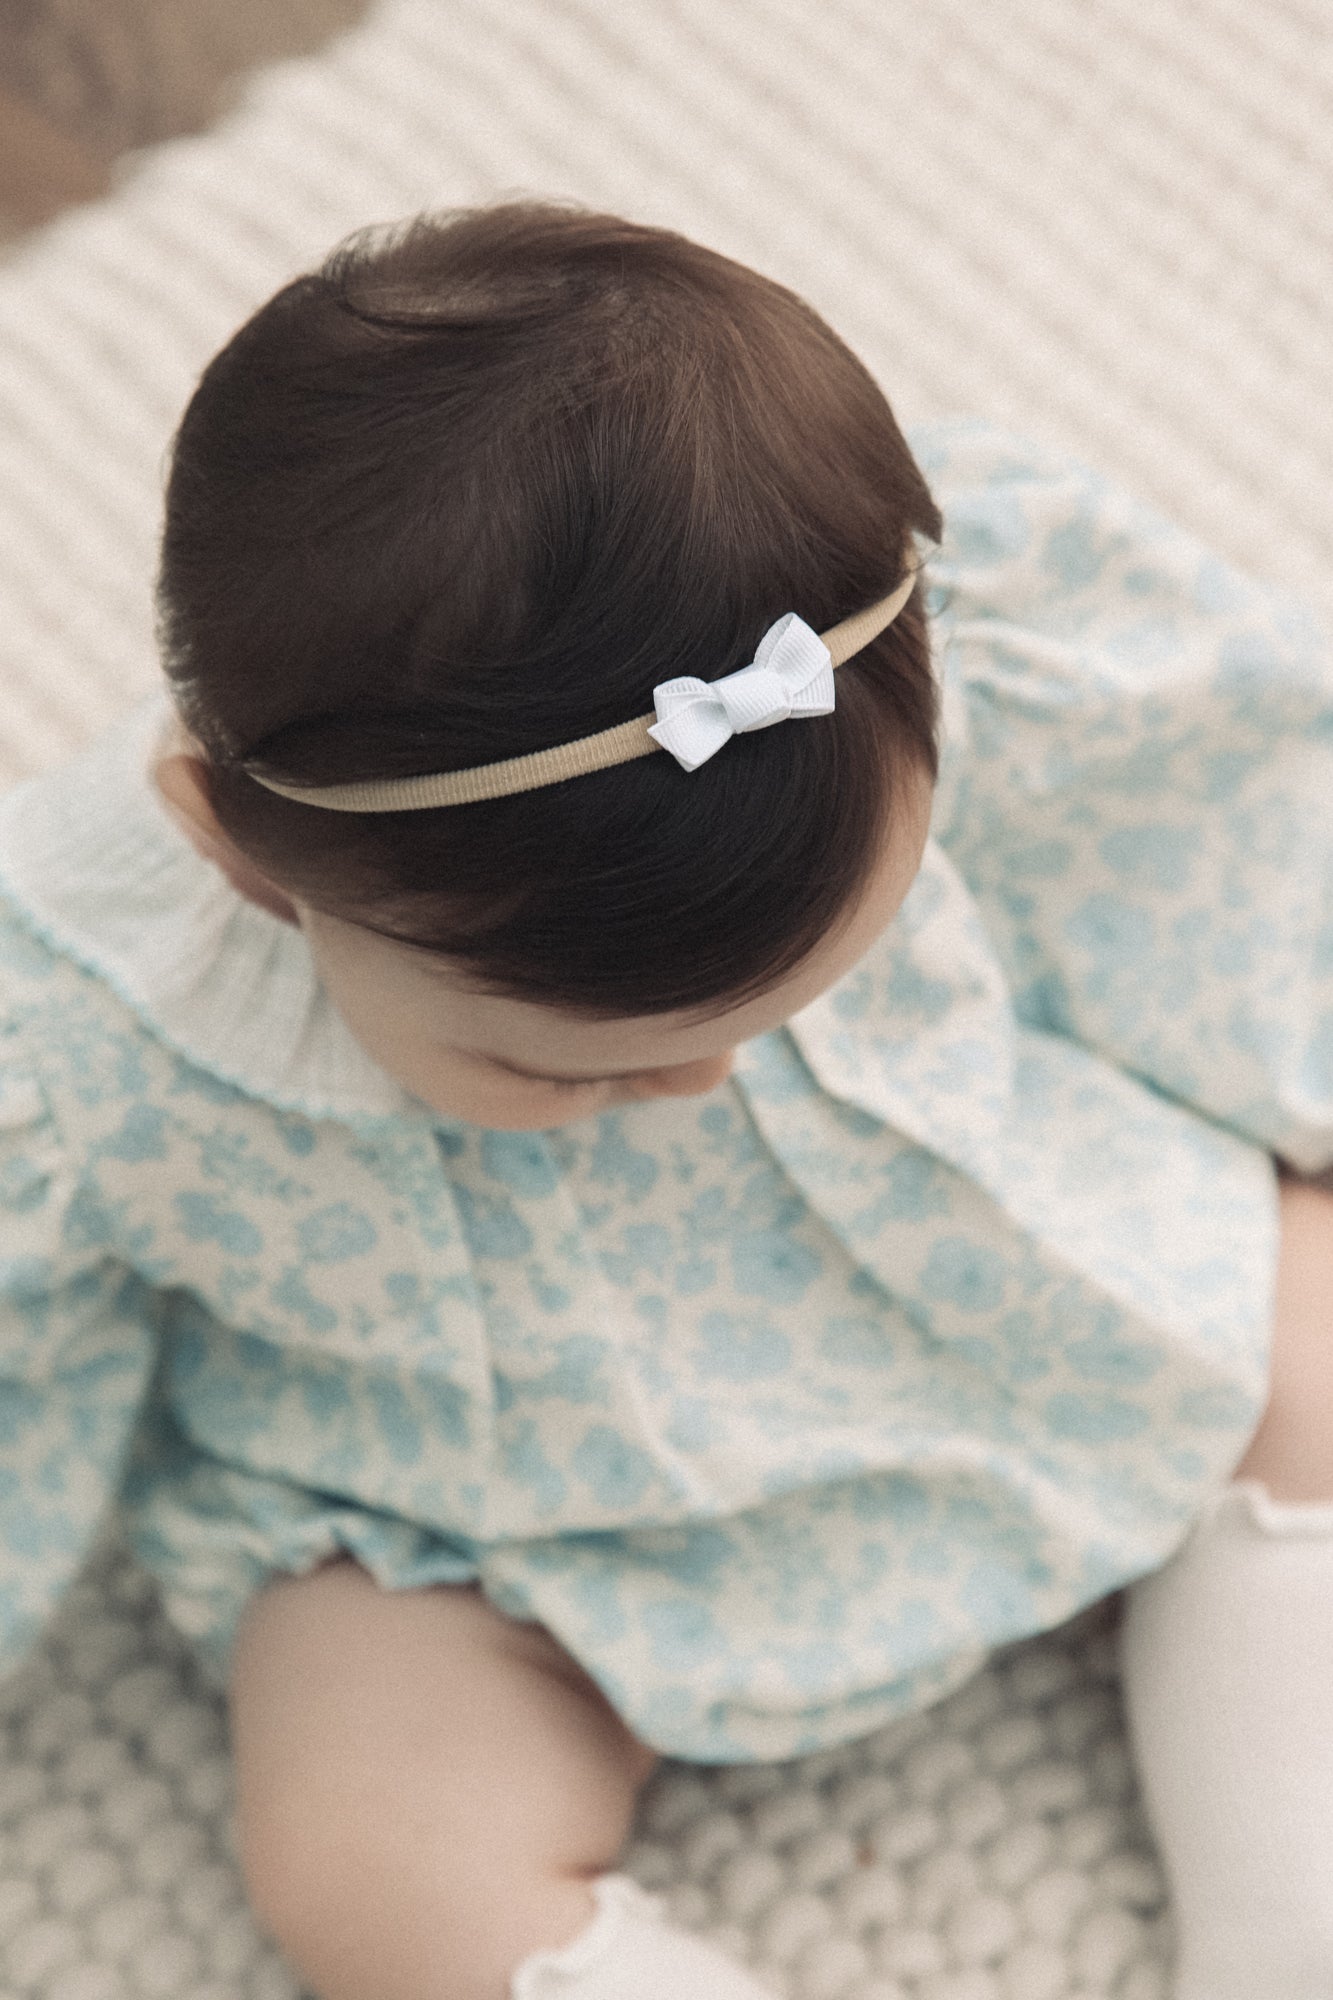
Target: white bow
x,y
790,674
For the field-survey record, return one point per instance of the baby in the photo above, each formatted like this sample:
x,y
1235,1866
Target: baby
x,y
589,1189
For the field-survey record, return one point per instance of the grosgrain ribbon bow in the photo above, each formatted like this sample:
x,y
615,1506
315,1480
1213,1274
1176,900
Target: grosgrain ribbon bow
x,y
790,674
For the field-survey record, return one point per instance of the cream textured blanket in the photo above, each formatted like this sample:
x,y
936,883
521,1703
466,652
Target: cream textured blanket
x,y
1107,224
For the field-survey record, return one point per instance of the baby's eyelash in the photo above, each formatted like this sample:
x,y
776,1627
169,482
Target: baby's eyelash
x,y
551,1082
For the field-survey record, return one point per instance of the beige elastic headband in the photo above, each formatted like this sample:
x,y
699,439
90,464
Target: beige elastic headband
x,y
791,674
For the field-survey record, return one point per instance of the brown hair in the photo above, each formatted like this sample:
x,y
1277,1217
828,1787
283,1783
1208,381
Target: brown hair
x,y
472,489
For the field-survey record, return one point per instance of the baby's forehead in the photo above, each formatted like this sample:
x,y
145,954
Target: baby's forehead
x,y
530,1037
434,998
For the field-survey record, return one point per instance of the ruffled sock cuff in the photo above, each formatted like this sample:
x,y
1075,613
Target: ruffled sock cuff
x,y
631,1951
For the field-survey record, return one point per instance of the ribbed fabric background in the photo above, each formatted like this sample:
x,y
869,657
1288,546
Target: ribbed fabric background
x,y
1107,223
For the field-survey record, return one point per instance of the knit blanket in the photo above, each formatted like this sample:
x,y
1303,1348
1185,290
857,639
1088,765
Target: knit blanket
x,y
1107,225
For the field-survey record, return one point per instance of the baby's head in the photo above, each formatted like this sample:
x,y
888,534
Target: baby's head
x,y
473,490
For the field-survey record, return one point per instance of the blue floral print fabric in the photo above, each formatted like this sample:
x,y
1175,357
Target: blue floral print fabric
x,y
780,1407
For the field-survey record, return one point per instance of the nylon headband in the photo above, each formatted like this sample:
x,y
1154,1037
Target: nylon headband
x,y
618,745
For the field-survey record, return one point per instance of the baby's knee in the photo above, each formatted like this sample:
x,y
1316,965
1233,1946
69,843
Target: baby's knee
x,y
358,1917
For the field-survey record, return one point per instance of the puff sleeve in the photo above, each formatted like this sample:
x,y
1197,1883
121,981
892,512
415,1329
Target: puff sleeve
x,y
1138,785
75,1358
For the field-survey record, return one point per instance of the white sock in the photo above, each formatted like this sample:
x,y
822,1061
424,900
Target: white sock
x,y
1227,1660
631,1951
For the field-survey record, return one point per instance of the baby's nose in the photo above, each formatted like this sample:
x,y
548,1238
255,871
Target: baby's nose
x,y
687,1079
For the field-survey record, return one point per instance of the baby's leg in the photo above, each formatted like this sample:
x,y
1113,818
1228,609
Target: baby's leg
x,y
424,1787
431,1798
1227,1655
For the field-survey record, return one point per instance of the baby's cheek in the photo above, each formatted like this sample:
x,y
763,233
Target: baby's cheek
x,y
388,1042
393,1037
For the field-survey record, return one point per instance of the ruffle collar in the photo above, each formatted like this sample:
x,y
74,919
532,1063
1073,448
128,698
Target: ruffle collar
x,y
93,858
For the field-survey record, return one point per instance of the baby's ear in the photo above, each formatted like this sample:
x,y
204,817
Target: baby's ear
x,y
178,775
